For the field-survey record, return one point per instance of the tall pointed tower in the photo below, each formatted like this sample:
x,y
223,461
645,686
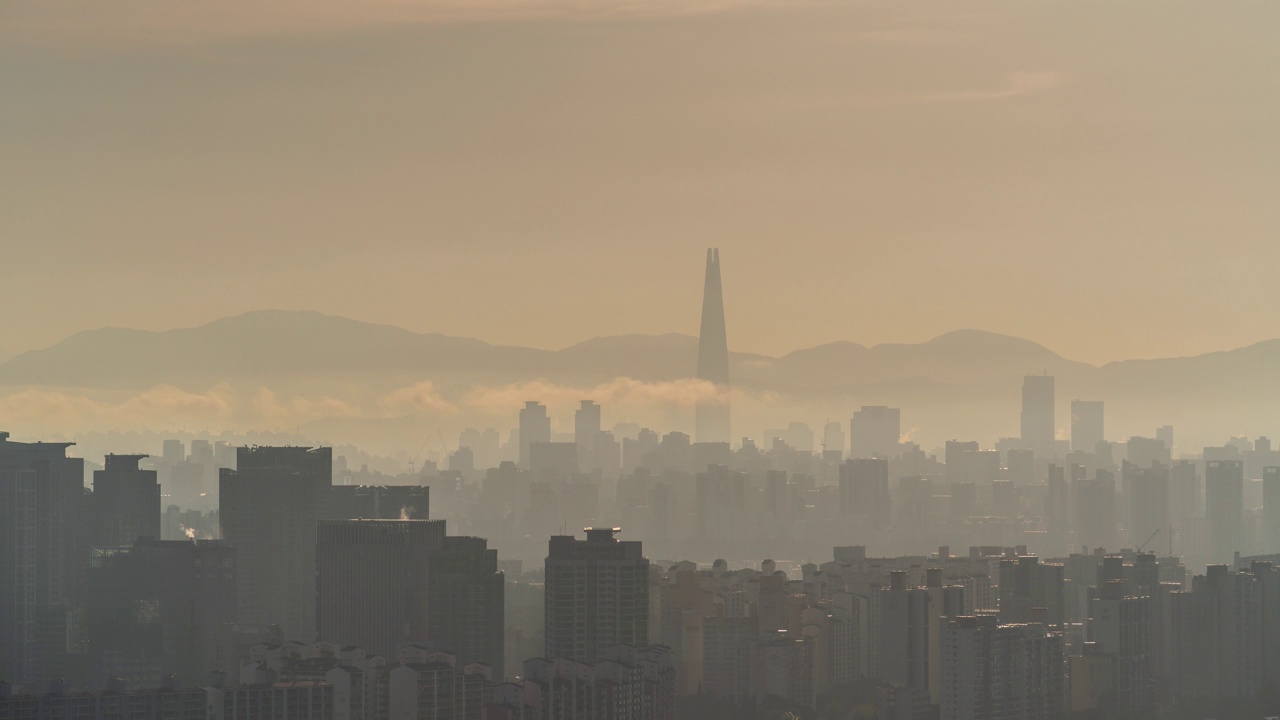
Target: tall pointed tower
x,y
712,417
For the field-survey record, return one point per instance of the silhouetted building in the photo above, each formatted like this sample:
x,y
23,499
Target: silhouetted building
x,y
1032,591
1271,510
904,633
169,702
1037,415
1087,428
160,608
269,507
874,431
864,490
553,460
535,427
126,502
597,595
712,414
586,430
372,581
466,602
1224,507
1148,500
992,670
43,547
380,502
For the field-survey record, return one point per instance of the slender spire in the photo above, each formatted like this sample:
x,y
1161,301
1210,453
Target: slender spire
x,y
712,416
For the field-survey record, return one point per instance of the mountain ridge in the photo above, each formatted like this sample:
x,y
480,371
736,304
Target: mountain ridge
x,y
266,343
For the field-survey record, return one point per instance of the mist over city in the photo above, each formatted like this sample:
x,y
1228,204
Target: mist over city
x,y
605,360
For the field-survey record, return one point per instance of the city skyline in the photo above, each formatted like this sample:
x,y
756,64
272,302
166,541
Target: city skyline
x,y
379,360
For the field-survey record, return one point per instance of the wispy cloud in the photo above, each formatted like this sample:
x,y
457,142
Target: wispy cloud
x,y
90,23
160,406
419,398
45,410
620,392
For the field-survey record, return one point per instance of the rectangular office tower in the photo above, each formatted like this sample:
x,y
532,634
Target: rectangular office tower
x,y
1271,510
874,431
1224,507
41,559
1087,428
466,602
269,507
1037,415
126,502
372,582
596,595
161,607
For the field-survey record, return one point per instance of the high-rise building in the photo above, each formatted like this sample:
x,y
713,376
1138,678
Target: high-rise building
x,y
160,608
864,489
596,595
904,633
586,432
1219,633
1032,591
42,556
1271,510
535,427
1224,507
466,602
712,414
833,441
1087,428
1120,628
372,581
874,431
269,507
126,502
1037,415
1095,513
1147,489
1006,671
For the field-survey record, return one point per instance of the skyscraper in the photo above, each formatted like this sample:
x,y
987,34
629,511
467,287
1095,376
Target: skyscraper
x,y
712,415
874,430
372,581
126,502
597,595
586,432
466,602
269,507
161,607
535,426
41,558
1271,510
993,670
1224,507
1087,429
1037,415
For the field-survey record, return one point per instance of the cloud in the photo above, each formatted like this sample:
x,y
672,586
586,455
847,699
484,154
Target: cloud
x,y
77,23
1014,84
160,406
420,398
269,408
619,392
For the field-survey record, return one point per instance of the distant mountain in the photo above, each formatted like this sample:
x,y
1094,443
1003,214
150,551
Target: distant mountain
x,y
259,344
273,344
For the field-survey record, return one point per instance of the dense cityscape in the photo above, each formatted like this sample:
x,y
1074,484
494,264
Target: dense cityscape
x,y
635,573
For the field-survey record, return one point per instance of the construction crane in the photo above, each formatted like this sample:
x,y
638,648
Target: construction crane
x,y
413,462
1153,537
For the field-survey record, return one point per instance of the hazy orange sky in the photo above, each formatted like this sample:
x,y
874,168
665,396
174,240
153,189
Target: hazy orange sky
x,y
1101,177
